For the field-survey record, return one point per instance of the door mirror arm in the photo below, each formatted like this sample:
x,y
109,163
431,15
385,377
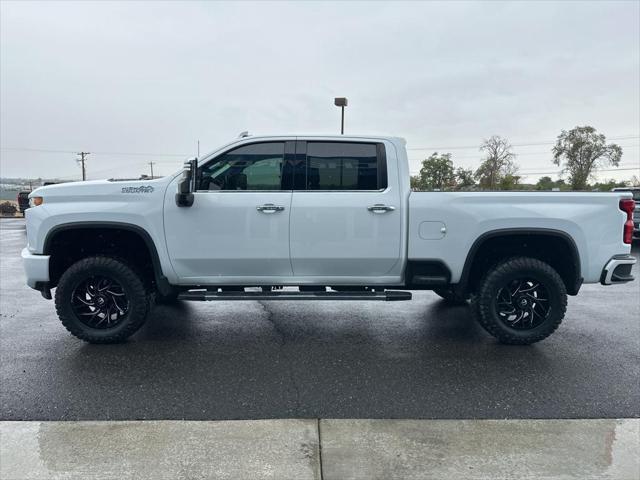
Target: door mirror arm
x,y
187,185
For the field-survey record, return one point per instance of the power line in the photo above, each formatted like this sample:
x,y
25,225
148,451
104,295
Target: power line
x,y
131,154
623,165
548,152
597,171
558,172
532,144
456,147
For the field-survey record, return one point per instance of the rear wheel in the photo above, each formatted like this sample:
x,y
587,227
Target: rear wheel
x,y
520,301
450,296
102,300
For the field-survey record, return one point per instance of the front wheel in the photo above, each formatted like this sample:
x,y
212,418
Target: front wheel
x,y
520,301
101,300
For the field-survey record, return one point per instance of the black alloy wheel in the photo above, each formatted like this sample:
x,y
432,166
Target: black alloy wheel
x,y
100,302
520,301
523,304
102,299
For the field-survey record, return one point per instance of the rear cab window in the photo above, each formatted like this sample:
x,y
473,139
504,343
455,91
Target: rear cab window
x,y
342,166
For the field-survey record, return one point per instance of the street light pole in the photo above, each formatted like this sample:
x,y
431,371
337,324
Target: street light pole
x,y
341,102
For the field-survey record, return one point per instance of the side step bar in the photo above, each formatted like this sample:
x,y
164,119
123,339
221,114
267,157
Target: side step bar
x,y
207,295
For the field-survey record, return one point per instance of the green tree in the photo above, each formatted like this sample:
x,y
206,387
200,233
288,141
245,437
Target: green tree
x,y
581,151
498,163
437,172
608,185
545,183
464,179
509,182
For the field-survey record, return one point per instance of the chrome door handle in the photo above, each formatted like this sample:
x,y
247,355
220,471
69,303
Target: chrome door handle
x,y
269,208
380,208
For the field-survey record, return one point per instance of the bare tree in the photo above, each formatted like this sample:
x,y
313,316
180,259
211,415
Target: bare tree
x,y
582,151
498,163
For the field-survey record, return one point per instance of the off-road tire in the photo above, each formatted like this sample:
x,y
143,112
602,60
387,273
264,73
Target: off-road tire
x,y
483,303
140,301
450,296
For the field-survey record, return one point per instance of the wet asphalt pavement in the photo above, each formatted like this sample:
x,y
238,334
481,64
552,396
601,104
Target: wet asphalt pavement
x,y
247,360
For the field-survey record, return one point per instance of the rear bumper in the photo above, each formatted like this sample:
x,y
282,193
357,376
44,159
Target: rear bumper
x,y
618,270
36,268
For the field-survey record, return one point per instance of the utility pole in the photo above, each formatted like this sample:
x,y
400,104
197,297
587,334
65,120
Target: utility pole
x,y
151,165
84,171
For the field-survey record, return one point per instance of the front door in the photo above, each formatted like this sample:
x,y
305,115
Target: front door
x,y
346,213
237,229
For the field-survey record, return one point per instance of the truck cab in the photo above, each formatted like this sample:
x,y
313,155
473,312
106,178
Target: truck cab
x,y
292,211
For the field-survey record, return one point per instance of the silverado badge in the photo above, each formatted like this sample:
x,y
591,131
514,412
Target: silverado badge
x,y
142,189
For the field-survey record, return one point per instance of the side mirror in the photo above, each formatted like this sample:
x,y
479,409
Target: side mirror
x,y
187,185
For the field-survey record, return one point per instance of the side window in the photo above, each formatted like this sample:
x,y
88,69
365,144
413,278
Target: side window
x,y
257,166
342,166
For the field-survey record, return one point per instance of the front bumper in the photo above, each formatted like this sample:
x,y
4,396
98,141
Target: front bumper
x,y
36,268
618,270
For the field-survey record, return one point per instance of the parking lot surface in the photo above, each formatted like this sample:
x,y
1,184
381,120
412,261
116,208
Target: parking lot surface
x,y
250,360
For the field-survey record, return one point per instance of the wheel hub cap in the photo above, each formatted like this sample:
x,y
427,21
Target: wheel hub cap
x,y
99,302
523,304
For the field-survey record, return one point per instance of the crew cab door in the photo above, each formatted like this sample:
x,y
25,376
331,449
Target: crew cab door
x,y
237,229
346,212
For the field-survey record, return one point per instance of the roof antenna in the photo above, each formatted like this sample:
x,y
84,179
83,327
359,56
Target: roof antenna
x,y
243,134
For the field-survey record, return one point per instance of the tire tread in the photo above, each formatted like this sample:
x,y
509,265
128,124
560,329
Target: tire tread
x,y
480,303
139,310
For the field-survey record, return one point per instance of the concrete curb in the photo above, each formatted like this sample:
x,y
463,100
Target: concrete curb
x,y
321,449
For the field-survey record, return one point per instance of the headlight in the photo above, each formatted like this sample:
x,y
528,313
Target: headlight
x,y
35,201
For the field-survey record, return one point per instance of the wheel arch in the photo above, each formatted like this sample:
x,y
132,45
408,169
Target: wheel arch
x,y
162,283
569,269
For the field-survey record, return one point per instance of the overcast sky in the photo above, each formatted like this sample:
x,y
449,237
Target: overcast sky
x,y
154,77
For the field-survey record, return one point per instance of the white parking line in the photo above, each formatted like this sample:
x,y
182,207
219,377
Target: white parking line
x,y
351,449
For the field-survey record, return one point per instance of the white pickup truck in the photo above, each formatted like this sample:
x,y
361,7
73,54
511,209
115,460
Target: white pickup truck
x,y
331,215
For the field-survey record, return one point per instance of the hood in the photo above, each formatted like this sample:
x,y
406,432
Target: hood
x,y
102,187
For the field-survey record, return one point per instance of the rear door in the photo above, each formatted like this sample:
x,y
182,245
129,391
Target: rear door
x,y
237,229
345,212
